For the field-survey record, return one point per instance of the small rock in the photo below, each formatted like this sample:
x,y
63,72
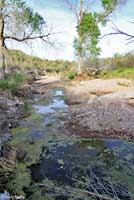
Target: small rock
x,y
21,154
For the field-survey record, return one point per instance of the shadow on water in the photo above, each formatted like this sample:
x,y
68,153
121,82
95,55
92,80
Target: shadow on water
x,y
98,166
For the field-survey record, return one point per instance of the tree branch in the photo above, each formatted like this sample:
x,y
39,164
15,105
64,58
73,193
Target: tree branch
x,y
119,32
42,37
73,8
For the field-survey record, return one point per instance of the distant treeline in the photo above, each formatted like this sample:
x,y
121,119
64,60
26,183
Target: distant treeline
x,y
117,66
116,62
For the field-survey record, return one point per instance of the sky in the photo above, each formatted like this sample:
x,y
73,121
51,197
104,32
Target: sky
x,y
63,21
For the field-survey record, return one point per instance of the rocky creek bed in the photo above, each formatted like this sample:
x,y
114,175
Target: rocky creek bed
x,y
50,162
12,111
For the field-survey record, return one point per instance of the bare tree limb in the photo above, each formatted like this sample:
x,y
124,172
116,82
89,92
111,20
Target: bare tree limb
x,y
118,31
73,8
42,37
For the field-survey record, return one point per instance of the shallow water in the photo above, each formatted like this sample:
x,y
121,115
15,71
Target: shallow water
x,y
57,104
99,166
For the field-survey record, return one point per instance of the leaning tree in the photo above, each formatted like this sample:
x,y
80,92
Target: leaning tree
x,y
88,19
20,23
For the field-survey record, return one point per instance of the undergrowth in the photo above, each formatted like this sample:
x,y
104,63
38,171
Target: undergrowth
x,y
124,72
13,81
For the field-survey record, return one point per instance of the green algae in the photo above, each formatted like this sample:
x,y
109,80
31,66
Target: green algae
x,y
20,130
35,117
21,178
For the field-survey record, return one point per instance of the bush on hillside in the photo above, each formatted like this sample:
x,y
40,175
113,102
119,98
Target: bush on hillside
x,y
17,60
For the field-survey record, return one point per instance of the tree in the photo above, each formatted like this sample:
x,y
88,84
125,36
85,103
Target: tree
x,y
20,23
88,31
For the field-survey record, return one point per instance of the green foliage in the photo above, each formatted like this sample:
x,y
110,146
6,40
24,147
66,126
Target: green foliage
x,y
37,193
88,26
86,43
89,33
108,4
126,72
118,62
13,81
27,22
19,61
20,179
78,46
71,75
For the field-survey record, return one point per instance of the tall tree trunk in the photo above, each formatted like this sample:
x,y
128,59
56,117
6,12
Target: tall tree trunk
x,y
80,58
2,56
80,64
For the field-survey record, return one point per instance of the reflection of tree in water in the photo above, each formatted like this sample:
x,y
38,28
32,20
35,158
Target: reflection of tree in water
x,y
93,188
94,171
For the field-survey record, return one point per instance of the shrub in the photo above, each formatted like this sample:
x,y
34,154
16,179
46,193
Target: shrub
x,y
13,81
125,72
71,75
118,61
17,60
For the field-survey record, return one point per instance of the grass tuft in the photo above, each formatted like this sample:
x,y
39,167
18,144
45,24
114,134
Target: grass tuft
x,y
13,81
127,72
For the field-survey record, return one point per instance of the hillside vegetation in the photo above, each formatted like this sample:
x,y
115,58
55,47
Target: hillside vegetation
x,y
18,60
118,66
124,72
22,68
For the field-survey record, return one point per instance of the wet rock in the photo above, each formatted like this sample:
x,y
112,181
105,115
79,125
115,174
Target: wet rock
x,y
4,125
21,154
25,92
5,138
11,112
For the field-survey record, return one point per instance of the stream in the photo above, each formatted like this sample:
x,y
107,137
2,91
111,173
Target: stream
x,y
61,167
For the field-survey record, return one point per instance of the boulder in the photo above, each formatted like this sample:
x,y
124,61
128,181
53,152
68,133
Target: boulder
x,y
25,92
21,154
